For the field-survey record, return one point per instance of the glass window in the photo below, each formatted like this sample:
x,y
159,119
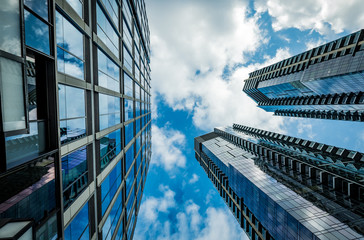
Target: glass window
x,y
137,91
113,218
110,147
70,57
36,33
79,227
74,175
38,6
72,113
127,13
129,109
128,85
113,9
129,132
77,5
110,186
129,183
109,111
12,99
127,36
128,61
106,32
109,72
129,158
10,27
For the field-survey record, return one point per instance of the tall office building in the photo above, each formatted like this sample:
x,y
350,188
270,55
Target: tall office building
x,y
75,121
281,187
325,82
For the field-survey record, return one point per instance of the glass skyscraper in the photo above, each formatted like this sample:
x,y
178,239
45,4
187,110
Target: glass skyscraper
x,y
282,187
75,117
325,82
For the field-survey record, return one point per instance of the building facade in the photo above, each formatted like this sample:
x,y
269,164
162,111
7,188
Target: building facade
x,y
75,117
325,82
281,187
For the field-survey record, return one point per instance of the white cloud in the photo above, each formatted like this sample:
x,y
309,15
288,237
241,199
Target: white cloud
x,y
207,38
214,224
152,206
167,147
305,127
320,15
194,178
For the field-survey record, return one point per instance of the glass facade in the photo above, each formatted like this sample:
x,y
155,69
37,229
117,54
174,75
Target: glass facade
x,y
75,116
304,83
280,187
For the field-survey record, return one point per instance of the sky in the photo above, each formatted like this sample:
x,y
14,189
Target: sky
x,y
201,52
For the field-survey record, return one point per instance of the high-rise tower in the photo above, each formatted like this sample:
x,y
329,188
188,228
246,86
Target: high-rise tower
x,y
75,121
325,82
282,187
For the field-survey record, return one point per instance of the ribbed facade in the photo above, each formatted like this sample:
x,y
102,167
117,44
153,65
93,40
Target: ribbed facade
x,y
281,187
324,82
75,117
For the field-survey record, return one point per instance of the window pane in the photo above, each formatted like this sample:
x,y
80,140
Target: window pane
x,y
77,6
128,107
12,85
128,85
10,27
128,61
106,32
109,72
36,33
110,146
38,6
78,228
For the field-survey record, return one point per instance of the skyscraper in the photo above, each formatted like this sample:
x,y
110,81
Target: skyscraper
x,y
282,187
75,121
325,82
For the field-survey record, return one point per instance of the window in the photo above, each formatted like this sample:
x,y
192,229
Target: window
x,y
109,72
110,147
40,7
12,99
106,32
70,57
79,227
77,5
36,33
109,108
129,158
10,28
113,218
129,132
110,186
128,85
129,109
74,175
128,61
72,113
127,36
113,9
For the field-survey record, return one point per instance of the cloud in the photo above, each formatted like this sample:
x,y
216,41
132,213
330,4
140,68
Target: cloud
x,y
167,147
305,127
152,206
215,223
194,178
195,48
320,15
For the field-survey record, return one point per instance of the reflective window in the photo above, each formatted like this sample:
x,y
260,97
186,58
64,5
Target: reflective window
x,y
109,72
128,108
137,91
127,13
11,77
129,132
74,175
128,61
113,9
38,6
128,85
79,227
36,33
72,113
106,32
110,186
77,5
129,158
70,57
113,218
110,147
10,27
129,183
109,108
127,36
137,109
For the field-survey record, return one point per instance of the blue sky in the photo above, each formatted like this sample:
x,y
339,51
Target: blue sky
x,y
201,53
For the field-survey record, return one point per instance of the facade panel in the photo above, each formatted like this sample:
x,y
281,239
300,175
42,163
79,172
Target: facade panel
x,y
71,125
